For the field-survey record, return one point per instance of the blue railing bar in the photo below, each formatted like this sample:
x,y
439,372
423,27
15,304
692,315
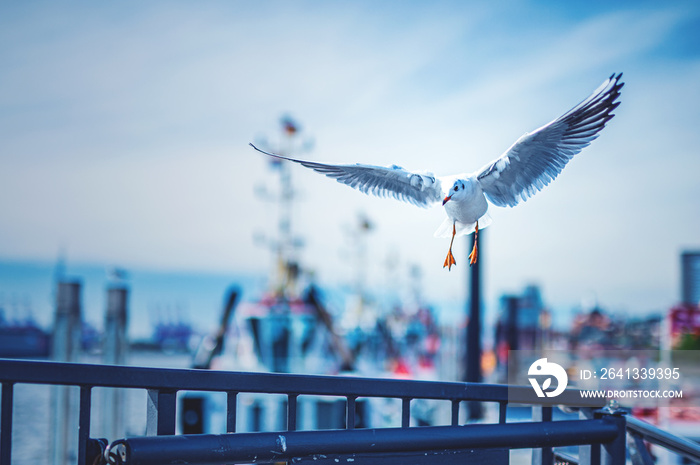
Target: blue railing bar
x,y
350,412
42,372
292,412
269,447
6,423
231,408
160,412
455,412
405,412
84,423
677,444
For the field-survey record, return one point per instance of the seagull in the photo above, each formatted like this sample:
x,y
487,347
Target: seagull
x,y
532,162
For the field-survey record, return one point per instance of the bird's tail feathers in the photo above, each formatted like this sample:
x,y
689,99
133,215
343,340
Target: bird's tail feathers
x,y
445,229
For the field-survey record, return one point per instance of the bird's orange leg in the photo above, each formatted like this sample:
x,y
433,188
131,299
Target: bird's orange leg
x,y
450,260
475,252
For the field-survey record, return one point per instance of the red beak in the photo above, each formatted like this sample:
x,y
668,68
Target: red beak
x,y
446,199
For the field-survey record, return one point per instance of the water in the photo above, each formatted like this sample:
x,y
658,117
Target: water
x,y
27,290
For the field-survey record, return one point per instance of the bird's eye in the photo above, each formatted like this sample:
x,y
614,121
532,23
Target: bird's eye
x,y
456,188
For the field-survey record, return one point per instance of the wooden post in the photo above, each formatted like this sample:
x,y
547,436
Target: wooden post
x,y
66,345
114,353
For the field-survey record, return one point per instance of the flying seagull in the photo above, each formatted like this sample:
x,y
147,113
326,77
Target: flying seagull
x,y
531,163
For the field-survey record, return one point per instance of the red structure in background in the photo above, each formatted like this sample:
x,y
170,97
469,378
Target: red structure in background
x,y
685,326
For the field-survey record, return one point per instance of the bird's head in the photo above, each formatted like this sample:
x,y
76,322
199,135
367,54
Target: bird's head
x,y
456,192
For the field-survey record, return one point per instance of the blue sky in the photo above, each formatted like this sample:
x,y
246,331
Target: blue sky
x,y
124,129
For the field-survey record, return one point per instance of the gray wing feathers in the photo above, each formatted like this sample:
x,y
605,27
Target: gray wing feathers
x,y
421,190
538,157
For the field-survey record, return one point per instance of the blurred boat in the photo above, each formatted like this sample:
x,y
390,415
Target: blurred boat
x,y
22,338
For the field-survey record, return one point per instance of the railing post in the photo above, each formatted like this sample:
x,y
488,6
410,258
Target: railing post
x,y
588,454
160,415
614,452
405,412
502,412
292,412
350,413
455,412
231,407
6,423
84,423
543,456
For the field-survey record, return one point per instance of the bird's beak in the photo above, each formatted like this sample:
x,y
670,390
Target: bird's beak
x,y
446,199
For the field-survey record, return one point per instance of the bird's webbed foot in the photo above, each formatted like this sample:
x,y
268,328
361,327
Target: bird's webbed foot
x,y
450,260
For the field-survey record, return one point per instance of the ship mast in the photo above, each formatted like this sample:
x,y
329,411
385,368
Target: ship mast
x,y
286,245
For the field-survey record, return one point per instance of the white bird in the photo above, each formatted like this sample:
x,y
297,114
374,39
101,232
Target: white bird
x,y
531,163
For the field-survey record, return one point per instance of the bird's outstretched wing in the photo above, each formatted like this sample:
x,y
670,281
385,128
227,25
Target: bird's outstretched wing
x,y
535,159
419,189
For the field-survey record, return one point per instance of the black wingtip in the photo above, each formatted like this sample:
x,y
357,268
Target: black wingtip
x,y
618,83
616,78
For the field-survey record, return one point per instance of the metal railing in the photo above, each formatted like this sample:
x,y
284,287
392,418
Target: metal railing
x,y
643,431
603,433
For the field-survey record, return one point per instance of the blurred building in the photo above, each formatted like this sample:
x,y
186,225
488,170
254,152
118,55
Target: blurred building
x,y
690,278
684,318
684,325
597,329
523,323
